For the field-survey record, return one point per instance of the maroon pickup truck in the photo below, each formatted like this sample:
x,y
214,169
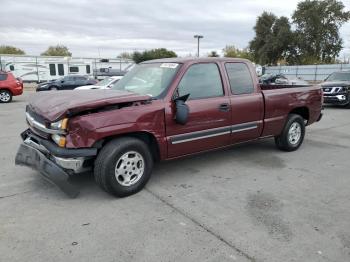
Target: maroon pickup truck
x,y
160,110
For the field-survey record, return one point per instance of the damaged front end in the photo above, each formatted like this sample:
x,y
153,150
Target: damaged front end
x,y
54,163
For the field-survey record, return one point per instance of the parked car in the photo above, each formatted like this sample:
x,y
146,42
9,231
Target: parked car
x,y
9,86
281,79
66,83
336,89
106,83
162,109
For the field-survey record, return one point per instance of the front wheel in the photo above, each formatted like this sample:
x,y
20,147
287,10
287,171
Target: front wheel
x,y
123,166
5,96
292,135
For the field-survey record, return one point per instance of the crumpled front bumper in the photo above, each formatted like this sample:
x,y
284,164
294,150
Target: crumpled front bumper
x,y
54,163
31,157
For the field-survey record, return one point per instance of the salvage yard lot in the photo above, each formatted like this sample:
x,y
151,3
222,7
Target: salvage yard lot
x,y
250,202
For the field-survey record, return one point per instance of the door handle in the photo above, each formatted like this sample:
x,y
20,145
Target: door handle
x,y
224,107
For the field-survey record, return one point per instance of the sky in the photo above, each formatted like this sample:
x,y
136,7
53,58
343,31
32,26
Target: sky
x,y
107,28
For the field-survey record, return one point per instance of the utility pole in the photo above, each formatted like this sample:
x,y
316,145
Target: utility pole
x,y
198,37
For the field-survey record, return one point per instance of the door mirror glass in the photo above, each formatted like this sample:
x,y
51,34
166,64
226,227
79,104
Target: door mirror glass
x,y
182,110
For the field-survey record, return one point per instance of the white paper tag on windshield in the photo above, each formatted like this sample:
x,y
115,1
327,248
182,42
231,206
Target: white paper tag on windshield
x,y
169,65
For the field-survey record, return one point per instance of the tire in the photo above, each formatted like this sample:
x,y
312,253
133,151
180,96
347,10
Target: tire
x,y
123,166
5,96
348,104
53,88
292,135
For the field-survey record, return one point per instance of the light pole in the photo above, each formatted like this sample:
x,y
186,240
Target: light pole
x,y
198,37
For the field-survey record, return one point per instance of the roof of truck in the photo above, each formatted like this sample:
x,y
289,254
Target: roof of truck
x,y
194,59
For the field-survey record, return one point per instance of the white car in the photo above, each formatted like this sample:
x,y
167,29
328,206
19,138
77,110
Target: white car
x,y
103,84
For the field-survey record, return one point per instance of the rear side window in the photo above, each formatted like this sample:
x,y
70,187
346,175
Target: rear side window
x,y
52,69
80,78
88,69
12,67
73,69
3,77
201,81
60,69
240,79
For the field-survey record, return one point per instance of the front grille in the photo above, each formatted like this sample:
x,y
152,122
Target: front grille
x,y
39,119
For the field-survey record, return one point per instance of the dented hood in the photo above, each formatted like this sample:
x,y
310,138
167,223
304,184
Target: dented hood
x,y
53,105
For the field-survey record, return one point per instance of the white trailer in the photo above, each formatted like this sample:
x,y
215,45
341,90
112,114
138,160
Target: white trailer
x,y
45,68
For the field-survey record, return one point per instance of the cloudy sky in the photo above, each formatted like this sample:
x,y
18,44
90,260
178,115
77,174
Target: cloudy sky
x,y
107,28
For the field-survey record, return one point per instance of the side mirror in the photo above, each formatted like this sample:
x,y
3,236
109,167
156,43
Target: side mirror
x,y
182,110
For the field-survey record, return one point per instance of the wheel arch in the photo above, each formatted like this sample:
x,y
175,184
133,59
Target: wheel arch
x,y
147,137
303,111
7,89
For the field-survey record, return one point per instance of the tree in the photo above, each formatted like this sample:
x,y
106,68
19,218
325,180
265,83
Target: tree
x,y
213,54
317,29
6,49
125,55
139,57
273,39
232,51
58,50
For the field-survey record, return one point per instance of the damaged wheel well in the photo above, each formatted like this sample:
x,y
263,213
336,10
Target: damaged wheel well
x,y
146,137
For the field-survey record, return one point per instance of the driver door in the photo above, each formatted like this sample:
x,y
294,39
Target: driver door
x,y
208,125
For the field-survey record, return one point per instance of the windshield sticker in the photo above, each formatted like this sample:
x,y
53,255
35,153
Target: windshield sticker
x,y
169,65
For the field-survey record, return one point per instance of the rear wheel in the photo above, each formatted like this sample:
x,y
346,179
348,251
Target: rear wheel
x,y
5,96
123,166
292,135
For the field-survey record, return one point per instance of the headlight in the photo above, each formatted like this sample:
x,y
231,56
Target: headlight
x,y
59,140
60,125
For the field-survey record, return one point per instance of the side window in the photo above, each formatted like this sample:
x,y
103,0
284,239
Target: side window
x,y
3,77
60,69
52,69
240,79
73,69
201,81
88,69
69,78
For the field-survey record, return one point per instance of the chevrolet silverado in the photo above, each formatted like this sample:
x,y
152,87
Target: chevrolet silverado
x,y
160,110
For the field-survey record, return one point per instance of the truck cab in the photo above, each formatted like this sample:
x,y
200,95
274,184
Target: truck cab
x,y
160,110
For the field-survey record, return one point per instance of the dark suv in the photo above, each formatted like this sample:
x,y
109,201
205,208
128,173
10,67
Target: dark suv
x,y
66,83
336,88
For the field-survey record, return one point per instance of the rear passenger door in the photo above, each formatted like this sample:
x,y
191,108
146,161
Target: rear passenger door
x,y
68,83
80,81
247,103
208,125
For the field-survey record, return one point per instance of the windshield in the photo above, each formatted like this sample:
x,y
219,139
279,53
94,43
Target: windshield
x,y
148,79
104,82
339,76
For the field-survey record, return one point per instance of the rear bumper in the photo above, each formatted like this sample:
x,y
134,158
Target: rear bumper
x,y
17,91
31,157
